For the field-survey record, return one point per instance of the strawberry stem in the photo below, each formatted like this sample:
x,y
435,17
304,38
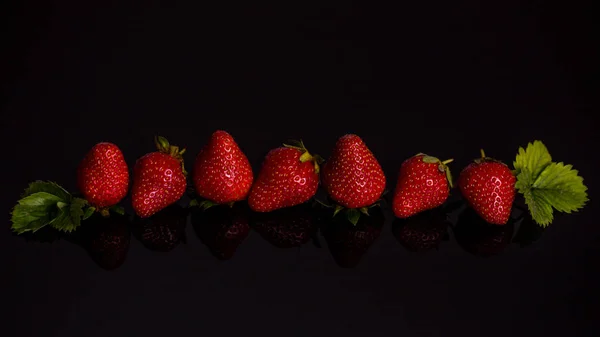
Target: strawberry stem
x,y
482,153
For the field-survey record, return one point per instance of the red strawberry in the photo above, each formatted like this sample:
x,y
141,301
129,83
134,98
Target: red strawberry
x,y
289,176
352,176
159,179
488,185
424,183
288,227
164,230
103,176
222,229
222,172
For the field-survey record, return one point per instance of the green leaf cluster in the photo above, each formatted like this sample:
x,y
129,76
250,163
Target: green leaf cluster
x,y
546,185
46,203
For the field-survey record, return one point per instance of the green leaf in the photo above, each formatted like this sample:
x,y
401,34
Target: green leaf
x,y
449,177
338,208
353,215
364,210
557,187
88,212
34,212
535,158
120,210
48,187
562,187
206,204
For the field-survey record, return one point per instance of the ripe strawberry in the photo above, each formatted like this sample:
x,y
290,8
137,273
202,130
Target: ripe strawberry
x,y
478,237
424,183
159,179
289,176
488,185
222,172
222,229
288,227
103,176
106,240
422,232
348,243
164,230
352,176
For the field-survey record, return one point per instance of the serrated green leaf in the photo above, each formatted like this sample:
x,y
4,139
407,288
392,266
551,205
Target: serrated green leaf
x,y
562,187
88,212
353,215
534,158
524,181
47,187
539,208
34,212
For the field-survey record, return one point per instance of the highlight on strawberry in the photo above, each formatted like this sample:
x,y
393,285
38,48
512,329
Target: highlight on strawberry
x,y
352,178
289,176
424,183
490,186
102,179
222,173
159,179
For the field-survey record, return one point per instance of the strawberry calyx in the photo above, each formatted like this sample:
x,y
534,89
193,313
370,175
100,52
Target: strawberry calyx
x,y
163,146
442,166
486,159
306,156
352,214
206,204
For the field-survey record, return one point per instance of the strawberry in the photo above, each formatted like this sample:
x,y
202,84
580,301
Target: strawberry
x,y
289,176
222,172
164,230
287,227
348,243
352,176
222,229
422,232
103,176
424,183
488,185
106,240
478,237
159,179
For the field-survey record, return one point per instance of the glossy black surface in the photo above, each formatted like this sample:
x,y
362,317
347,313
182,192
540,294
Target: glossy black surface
x,y
445,78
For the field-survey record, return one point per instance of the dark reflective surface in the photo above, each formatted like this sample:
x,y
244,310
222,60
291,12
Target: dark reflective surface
x,y
222,228
479,237
106,240
348,243
287,227
424,231
162,231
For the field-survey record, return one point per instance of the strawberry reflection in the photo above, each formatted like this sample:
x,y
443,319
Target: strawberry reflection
x,y
422,232
222,228
287,227
348,243
106,240
164,230
480,238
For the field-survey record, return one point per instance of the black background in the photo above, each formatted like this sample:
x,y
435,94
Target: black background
x,y
445,78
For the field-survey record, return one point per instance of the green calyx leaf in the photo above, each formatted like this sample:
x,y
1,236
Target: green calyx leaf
x,y
534,158
353,215
162,144
338,208
430,160
206,204
557,187
88,212
120,210
365,210
46,203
